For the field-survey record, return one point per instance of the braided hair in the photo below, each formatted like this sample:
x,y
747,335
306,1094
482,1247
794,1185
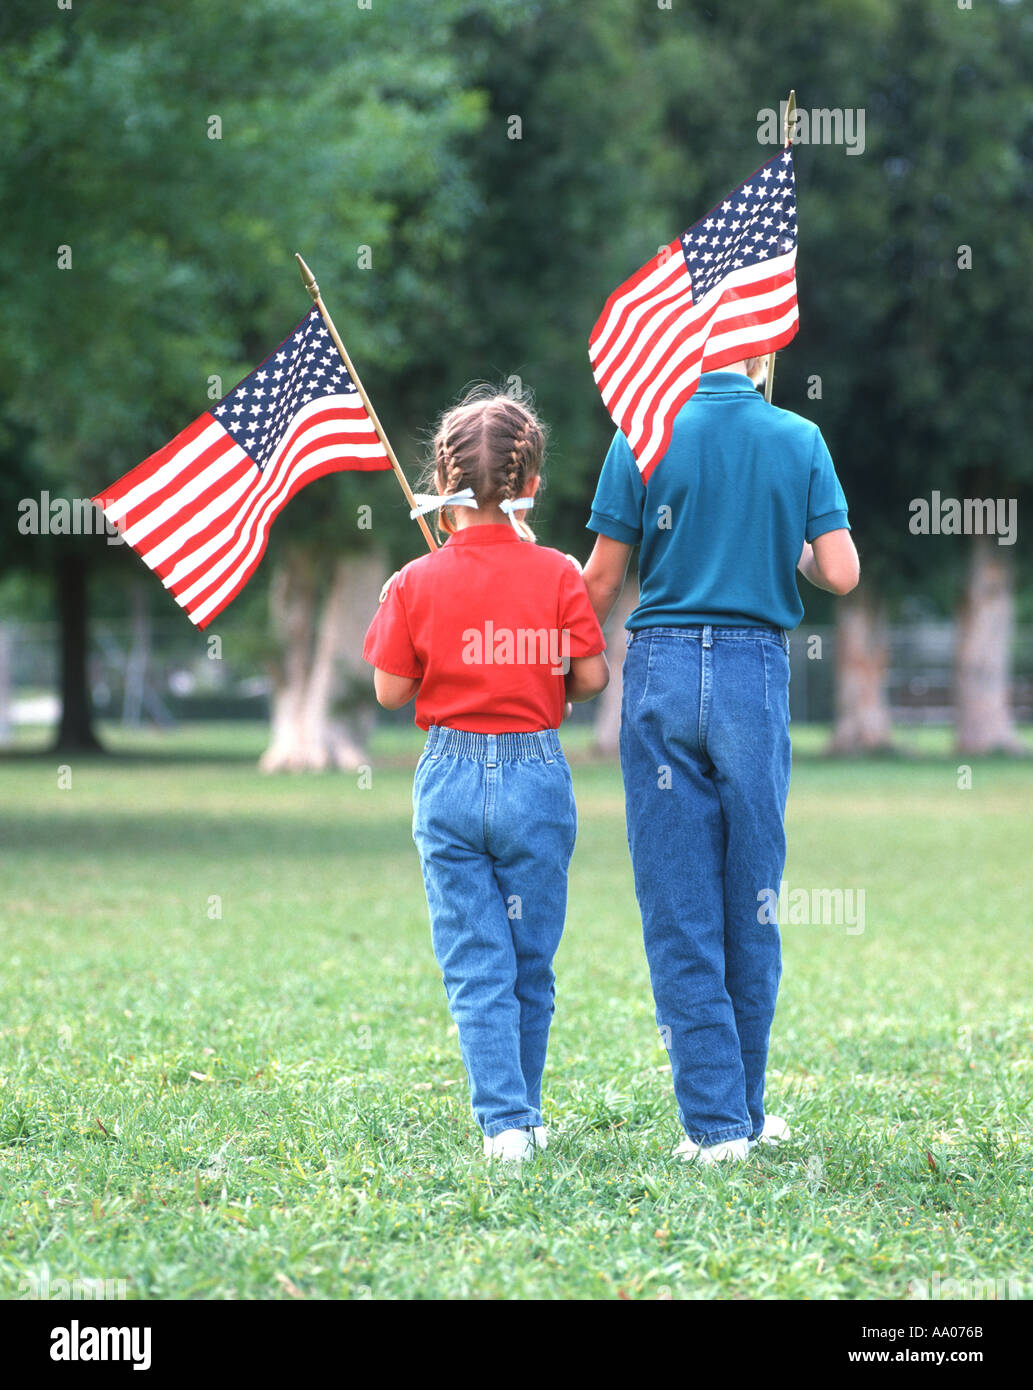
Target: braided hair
x,y
491,442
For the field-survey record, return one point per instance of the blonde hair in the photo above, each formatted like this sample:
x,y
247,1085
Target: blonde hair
x,y
492,442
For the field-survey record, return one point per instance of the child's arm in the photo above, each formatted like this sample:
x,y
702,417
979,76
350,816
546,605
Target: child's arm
x,y
831,563
604,574
588,676
393,691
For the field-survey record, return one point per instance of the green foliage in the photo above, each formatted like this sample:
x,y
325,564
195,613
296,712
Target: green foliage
x,y
491,256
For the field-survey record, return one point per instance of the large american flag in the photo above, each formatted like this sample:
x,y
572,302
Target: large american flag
x,y
724,290
198,512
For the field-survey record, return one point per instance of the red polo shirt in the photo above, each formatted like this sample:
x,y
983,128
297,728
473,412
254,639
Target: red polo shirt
x,y
486,624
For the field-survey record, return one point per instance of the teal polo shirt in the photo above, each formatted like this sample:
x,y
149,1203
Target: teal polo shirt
x,y
725,513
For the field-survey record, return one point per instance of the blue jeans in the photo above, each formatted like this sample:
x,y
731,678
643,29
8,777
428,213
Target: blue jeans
x,y
494,822
705,754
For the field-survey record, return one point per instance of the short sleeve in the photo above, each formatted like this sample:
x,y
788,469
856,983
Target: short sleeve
x,y
577,616
388,645
619,496
826,502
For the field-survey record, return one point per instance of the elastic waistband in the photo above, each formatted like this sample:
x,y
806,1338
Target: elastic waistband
x,y
443,742
709,633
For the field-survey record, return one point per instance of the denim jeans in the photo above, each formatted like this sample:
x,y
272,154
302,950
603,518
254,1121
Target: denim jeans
x,y
705,754
494,822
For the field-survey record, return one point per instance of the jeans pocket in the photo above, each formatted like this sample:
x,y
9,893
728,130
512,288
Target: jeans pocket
x,y
635,674
776,676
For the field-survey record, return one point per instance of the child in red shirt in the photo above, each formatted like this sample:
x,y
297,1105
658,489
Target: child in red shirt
x,y
492,634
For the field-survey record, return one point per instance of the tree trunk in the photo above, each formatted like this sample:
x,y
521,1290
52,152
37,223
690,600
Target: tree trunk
x,y
6,681
139,655
608,705
321,663
984,722
75,732
863,722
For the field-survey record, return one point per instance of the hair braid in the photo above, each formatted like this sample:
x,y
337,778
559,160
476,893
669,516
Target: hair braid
x,y
491,442
516,464
451,473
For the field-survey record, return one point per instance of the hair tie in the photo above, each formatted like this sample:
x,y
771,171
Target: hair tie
x,y
432,501
514,505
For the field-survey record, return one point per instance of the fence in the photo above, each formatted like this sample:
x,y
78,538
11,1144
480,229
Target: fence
x,y
166,672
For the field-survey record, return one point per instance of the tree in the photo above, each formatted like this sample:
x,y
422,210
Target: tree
x,y
185,157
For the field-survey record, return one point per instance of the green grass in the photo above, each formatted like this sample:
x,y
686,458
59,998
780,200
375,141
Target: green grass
x,y
270,1103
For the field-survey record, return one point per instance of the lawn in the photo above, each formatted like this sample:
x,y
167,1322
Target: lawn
x,y
227,1069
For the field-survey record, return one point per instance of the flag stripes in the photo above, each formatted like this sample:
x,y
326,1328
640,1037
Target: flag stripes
x,y
725,290
198,512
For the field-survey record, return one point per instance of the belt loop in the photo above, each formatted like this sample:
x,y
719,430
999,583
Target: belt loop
x,y
708,635
491,750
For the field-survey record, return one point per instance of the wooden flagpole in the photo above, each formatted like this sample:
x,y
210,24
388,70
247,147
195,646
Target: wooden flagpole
x,y
790,108
309,281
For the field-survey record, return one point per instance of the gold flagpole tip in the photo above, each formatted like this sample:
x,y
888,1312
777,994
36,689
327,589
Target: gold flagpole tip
x,y
307,278
790,108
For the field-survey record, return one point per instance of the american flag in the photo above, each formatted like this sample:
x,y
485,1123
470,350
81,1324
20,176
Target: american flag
x,y
724,290
198,512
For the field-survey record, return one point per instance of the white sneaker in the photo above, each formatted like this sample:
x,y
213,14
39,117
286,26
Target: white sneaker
x,y
732,1150
541,1137
511,1146
774,1132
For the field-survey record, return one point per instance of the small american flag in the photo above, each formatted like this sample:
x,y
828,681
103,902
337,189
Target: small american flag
x,y
198,512
725,290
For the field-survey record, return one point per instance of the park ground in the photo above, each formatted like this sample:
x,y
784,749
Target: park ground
x,y
227,1069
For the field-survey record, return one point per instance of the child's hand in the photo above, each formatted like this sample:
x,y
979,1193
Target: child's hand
x,y
575,562
568,710
387,584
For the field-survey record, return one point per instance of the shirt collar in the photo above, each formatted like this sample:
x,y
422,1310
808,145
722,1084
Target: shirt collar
x,y
711,382
487,533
